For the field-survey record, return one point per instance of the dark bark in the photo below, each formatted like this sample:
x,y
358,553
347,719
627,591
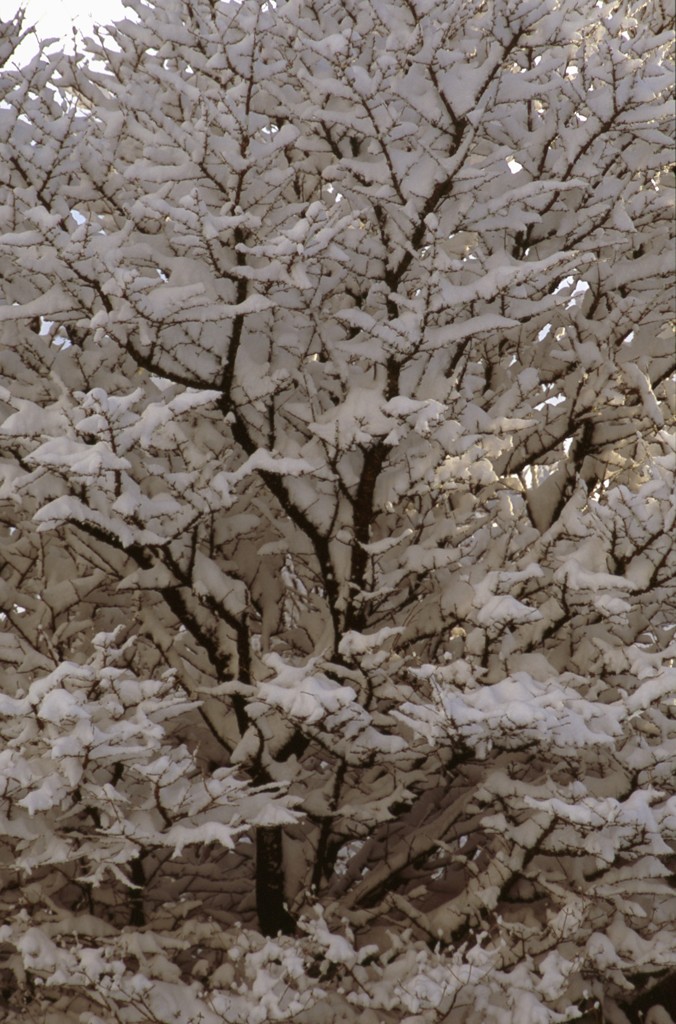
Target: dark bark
x,y
137,917
363,518
273,916
663,994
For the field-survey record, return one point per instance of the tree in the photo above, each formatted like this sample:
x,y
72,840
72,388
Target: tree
x,y
338,619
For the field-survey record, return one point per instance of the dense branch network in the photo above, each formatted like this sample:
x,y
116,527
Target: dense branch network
x,y
337,585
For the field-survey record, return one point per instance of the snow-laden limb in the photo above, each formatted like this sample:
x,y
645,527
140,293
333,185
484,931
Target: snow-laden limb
x,y
90,726
337,582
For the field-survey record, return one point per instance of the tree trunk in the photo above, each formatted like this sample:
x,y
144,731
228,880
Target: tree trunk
x,y
273,917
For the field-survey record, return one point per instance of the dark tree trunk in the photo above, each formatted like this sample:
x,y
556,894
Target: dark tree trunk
x,y
137,917
273,917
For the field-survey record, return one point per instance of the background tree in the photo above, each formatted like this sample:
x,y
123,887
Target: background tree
x,y
337,574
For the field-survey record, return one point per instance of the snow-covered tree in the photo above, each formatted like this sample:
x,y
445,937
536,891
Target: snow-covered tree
x,y
338,601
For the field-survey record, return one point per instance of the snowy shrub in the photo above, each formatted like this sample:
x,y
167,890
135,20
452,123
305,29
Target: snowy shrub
x,y
338,618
